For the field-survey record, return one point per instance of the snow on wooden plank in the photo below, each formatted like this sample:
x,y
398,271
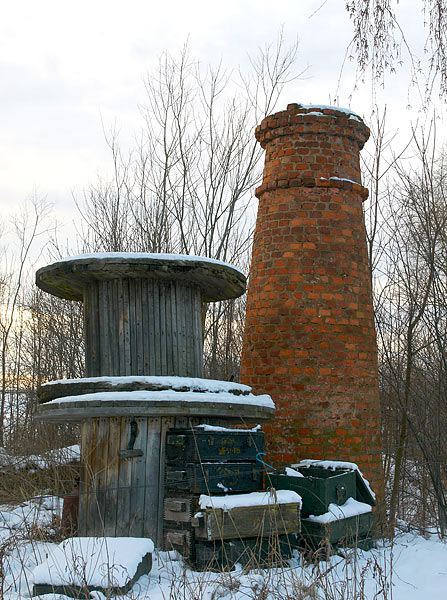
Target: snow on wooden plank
x,y
102,563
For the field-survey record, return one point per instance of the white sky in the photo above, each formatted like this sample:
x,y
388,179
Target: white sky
x,y
66,68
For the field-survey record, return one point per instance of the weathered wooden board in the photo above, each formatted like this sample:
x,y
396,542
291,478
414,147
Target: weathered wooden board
x,y
138,485
147,520
112,479
124,483
248,521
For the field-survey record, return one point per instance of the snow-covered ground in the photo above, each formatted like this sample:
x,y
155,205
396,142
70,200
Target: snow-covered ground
x,y
410,568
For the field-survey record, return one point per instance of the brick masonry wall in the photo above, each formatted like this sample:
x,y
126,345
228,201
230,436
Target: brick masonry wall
x,y
309,338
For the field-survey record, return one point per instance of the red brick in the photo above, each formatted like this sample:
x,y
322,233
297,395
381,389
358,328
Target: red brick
x,y
309,293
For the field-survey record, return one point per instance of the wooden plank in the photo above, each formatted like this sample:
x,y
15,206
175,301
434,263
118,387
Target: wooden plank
x,y
87,332
132,327
183,318
103,333
93,516
101,464
124,483
139,335
249,522
121,317
173,343
161,333
152,508
111,493
114,326
156,324
147,330
126,305
94,326
138,493
166,423
84,483
197,334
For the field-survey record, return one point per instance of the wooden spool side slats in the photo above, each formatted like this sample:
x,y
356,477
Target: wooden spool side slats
x,y
112,477
126,317
139,333
138,494
189,359
115,327
147,332
93,517
102,466
156,328
173,343
197,332
132,327
104,327
87,332
94,326
179,309
121,317
161,333
152,453
84,489
124,483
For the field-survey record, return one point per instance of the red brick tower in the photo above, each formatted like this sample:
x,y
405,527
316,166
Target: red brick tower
x,y
309,338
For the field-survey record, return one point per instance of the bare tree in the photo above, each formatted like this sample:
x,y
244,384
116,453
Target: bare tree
x,y
380,41
408,278
188,185
26,228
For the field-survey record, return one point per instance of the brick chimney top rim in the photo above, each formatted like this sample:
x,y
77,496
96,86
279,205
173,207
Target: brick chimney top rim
x,y
322,110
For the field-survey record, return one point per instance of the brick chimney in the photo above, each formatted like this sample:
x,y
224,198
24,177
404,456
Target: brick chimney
x,y
309,339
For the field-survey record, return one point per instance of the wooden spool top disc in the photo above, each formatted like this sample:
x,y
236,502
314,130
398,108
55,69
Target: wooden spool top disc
x,y
67,278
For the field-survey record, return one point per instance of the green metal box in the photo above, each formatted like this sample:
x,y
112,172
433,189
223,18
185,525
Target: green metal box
x,y
250,553
199,446
318,487
215,478
352,531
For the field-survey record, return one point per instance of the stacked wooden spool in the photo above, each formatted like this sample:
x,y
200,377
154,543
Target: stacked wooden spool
x,y
143,318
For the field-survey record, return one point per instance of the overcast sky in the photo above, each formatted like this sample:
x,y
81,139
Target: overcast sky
x,y
67,69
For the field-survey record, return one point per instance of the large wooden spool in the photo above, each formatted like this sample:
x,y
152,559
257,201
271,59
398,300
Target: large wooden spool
x,y
143,325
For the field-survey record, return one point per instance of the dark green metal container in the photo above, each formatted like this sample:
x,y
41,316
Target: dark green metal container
x,y
195,446
249,552
318,487
215,478
354,531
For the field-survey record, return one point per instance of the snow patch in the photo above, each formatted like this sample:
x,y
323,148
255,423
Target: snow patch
x,y
320,107
193,383
206,427
166,396
101,562
350,508
344,179
252,499
293,472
